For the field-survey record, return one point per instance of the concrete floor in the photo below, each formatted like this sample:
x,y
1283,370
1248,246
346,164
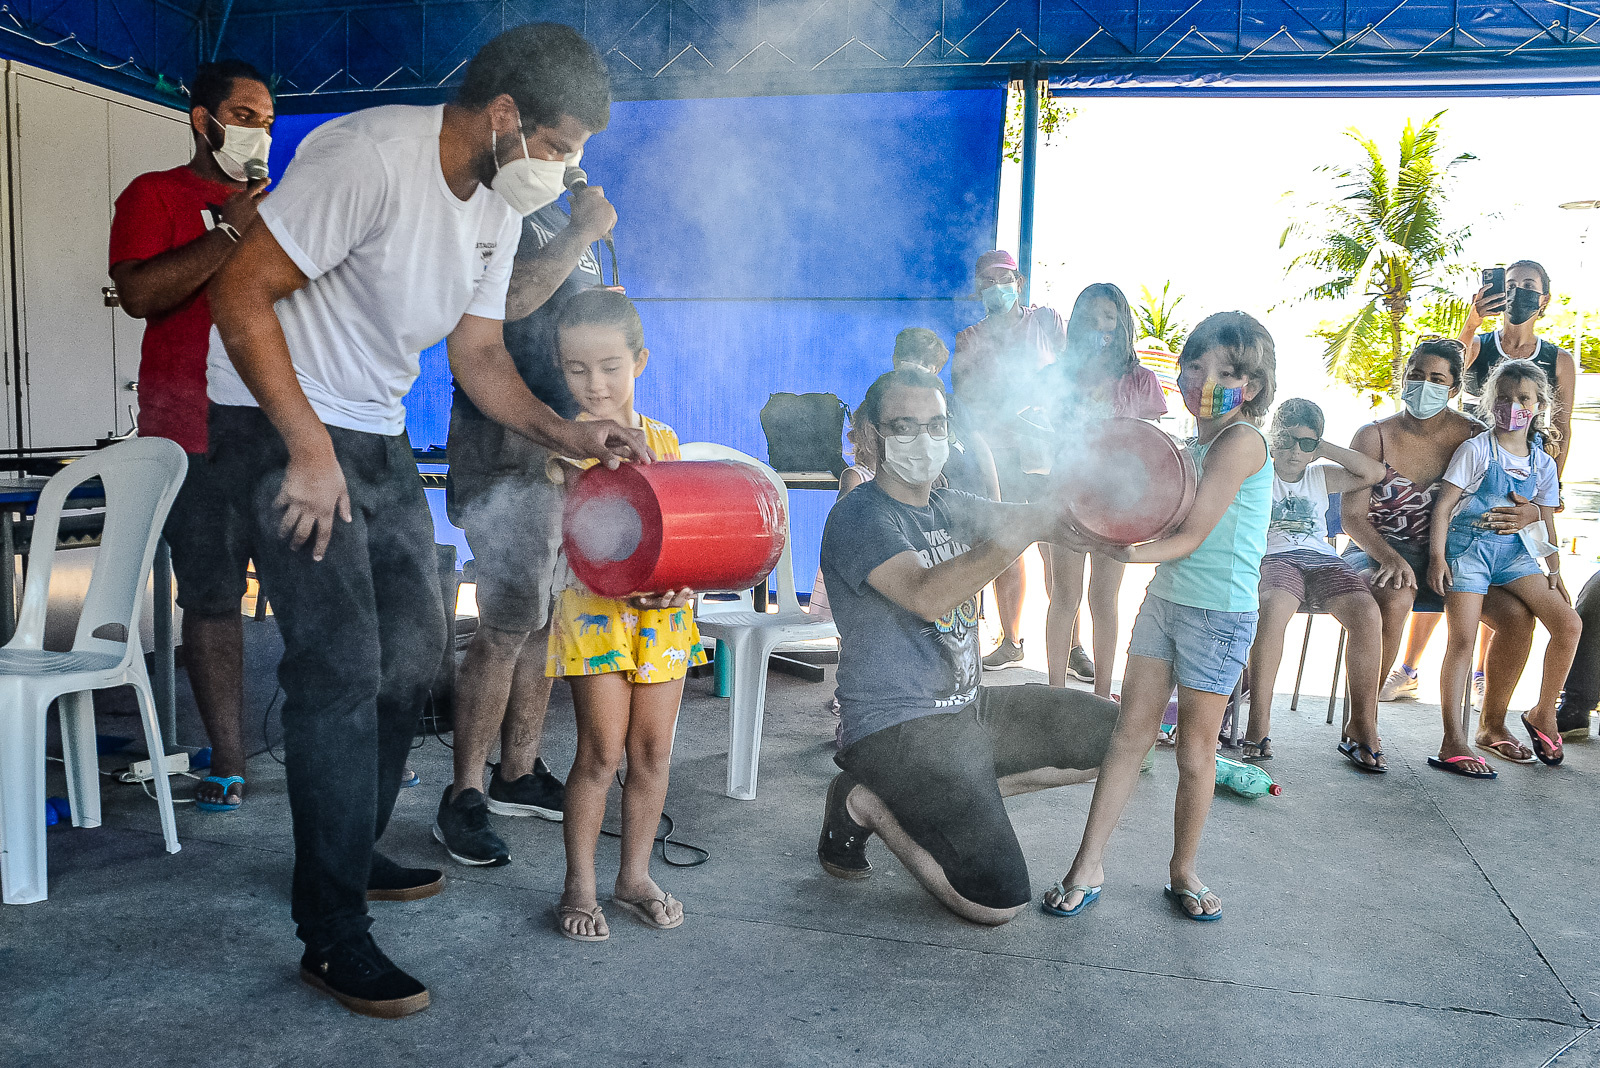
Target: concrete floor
x,y
1413,919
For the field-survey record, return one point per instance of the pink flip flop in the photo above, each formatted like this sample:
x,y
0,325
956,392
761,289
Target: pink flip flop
x,y
1454,764
1542,744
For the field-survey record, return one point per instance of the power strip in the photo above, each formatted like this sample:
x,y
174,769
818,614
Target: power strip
x,y
144,770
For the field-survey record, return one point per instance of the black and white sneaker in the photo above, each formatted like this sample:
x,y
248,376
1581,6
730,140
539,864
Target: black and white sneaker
x,y
357,975
842,849
462,827
1006,654
1080,665
537,794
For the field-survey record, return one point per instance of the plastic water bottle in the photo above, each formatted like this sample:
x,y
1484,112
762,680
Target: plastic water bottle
x,y
1246,780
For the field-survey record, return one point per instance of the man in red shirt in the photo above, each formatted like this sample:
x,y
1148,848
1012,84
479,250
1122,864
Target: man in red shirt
x,y
171,232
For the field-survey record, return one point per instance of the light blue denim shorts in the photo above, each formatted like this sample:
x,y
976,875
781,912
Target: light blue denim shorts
x,y
1480,560
1206,648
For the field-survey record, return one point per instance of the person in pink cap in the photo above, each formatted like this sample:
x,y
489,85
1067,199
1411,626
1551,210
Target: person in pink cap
x,y
996,374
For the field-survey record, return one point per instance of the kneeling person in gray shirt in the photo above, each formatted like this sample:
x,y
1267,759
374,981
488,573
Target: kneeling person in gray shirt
x,y
927,754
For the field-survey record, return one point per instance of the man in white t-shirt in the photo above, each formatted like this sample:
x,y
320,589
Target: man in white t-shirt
x,y
392,228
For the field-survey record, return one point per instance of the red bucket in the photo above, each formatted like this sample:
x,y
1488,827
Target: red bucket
x,y
1128,482
703,525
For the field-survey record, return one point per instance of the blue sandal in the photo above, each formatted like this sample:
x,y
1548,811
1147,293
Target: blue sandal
x,y
1091,894
220,806
1176,896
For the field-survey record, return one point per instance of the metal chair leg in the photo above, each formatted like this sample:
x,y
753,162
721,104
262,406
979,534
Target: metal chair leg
x,y
1237,731
1338,665
1305,646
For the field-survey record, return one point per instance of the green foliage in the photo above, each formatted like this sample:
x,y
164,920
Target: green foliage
x,y
1367,341
1378,247
1052,119
1156,316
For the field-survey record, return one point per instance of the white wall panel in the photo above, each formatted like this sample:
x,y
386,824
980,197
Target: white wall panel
x,y
62,186
74,148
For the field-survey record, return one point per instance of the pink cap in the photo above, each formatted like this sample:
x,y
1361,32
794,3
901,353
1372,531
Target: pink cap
x,y
997,258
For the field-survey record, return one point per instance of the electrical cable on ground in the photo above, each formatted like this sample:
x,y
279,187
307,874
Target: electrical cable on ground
x,y
666,839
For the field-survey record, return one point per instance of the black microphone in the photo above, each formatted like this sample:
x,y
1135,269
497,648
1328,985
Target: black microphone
x,y
255,170
576,181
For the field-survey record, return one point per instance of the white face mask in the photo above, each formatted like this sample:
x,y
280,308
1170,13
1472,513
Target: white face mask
x,y
1424,400
240,145
916,462
527,184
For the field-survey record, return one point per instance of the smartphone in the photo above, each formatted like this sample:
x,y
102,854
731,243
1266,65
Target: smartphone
x,y
1495,279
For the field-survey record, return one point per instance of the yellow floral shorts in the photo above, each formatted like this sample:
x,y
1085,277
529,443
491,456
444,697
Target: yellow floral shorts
x,y
593,635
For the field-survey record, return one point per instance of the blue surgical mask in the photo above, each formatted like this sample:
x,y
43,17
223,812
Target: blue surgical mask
x,y
997,300
1424,400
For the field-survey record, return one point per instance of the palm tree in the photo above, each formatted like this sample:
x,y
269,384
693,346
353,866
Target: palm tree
x,y
1156,317
1381,245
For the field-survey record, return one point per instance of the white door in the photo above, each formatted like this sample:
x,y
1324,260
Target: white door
x,y
62,190
140,141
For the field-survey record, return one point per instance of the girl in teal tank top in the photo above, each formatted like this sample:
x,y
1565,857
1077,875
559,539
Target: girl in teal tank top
x,y
1199,613
1224,572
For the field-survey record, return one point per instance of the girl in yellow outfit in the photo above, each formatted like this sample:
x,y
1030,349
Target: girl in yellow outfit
x,y
626,659
591,635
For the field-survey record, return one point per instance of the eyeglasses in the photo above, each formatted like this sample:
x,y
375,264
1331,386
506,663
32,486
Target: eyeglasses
x,y
905,430
1284,441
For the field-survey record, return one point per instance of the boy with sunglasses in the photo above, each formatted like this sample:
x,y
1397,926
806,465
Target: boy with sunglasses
x,y
1302,571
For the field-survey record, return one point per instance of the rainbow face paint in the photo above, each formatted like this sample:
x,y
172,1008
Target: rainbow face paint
x,y
1212,400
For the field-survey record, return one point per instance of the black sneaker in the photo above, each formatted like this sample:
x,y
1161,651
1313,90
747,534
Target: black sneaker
x,y
462,827
843,845
388,881
1572,723
1080,665
1005,654
357,975
537,794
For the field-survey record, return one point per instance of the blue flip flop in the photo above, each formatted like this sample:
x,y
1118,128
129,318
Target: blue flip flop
x,y
1091,894
222,806
1176,896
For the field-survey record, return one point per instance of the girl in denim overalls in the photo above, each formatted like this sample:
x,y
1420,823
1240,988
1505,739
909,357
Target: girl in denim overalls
x,y
1467,557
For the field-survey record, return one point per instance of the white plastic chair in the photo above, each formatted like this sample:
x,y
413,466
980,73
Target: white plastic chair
x,y
751,637
141,477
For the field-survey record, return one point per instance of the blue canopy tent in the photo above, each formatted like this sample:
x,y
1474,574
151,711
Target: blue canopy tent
x,y
799,179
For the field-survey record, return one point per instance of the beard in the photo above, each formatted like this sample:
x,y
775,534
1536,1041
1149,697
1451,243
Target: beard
x,y
485,167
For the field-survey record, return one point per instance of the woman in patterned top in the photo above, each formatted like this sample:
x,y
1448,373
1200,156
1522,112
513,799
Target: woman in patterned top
x,y
1389,530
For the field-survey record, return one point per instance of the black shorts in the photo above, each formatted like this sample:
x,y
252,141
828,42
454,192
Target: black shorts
x,y
210,542
498,493
938,775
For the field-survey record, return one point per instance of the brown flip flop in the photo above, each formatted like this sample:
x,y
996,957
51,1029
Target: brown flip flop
x,y
641,910
594,915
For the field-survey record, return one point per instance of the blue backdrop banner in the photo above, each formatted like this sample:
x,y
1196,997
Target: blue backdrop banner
x,y
776,244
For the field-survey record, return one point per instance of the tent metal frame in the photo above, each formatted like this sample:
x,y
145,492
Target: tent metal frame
x,y
331,57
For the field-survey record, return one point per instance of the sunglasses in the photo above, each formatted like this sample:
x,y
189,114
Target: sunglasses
x,y
1303,444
